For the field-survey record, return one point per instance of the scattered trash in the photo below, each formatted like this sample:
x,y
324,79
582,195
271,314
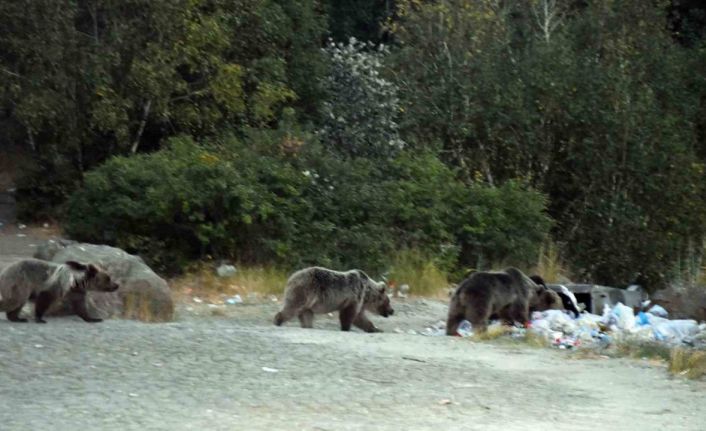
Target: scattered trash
x,y
444,402
132,395
658,311
22,226
436,329
197,300
403,290
234,300
621,316
273,298
226,271
21,235
465,329
38,346
270,370
45,225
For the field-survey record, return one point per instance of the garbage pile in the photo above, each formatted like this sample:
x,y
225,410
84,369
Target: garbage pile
x,y
617,323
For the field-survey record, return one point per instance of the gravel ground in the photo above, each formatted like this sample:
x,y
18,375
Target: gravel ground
x,y
240,372
230,369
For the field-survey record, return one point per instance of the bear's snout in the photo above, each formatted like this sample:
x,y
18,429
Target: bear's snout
x,y
113,287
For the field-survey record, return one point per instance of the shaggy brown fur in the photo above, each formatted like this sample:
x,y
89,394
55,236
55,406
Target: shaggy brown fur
x,y
48,282
506,294
320,290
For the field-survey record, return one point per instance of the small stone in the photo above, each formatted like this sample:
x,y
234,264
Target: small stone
x,y
270,370
226,271
38,346
444,402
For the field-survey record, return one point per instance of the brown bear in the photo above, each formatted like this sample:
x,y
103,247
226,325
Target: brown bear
x,y
48,282
555,300
320,290
507,294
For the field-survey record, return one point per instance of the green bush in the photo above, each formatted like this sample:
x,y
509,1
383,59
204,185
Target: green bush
x,y
188,201
271,198
502,225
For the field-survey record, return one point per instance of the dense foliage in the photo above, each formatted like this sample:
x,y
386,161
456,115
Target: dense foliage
x,y
258,130
257,201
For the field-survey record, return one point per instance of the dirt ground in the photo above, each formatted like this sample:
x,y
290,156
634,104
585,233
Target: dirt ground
x,y
229,368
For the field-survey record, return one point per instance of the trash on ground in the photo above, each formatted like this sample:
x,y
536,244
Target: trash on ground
x,y
658,311
270,370
233,300
226,271
564,331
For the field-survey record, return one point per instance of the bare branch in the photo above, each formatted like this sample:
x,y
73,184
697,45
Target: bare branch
x,y
141,129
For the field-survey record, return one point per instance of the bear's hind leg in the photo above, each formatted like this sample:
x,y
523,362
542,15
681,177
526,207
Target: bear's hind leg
x,y
14,315
306,318
346,316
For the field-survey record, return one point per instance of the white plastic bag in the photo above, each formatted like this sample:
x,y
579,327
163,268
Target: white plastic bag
x,y
622,317
674,330
658,311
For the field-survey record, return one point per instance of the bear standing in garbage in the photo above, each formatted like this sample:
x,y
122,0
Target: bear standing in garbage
x,y
320,290
508,294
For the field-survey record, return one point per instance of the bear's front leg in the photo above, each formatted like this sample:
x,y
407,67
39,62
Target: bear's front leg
x,y
361,321
78,303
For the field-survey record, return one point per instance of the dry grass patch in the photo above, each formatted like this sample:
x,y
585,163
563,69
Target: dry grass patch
x,y
422,275
550,266
202,281
687,362
141,307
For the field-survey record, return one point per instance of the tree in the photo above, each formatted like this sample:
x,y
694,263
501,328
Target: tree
x,y
361,111
89,79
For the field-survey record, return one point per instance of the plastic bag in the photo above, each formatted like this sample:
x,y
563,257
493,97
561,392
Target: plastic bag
x,y
674,330
658,310
622,317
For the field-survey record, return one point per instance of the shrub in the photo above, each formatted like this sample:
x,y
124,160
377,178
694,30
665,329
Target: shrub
x,y
273,198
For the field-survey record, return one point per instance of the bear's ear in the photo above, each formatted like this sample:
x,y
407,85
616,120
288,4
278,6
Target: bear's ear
x,y
92,271
539,281
75,265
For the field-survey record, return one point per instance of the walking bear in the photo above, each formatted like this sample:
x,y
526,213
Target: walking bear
x,y
320,290
507,294
48,282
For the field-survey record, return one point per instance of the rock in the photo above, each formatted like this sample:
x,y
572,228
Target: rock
x,y
226,271
142,295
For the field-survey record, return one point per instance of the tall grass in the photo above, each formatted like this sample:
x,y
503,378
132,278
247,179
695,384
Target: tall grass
x,y
550,266
689,363
421,274
203,281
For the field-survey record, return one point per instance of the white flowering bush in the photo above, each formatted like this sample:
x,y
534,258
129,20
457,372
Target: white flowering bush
x,y
360,114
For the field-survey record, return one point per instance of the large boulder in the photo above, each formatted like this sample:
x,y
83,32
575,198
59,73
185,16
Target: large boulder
x,y
142,295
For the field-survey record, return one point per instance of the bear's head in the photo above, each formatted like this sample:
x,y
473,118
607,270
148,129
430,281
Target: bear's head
x,y
376,298
544,298
94,278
